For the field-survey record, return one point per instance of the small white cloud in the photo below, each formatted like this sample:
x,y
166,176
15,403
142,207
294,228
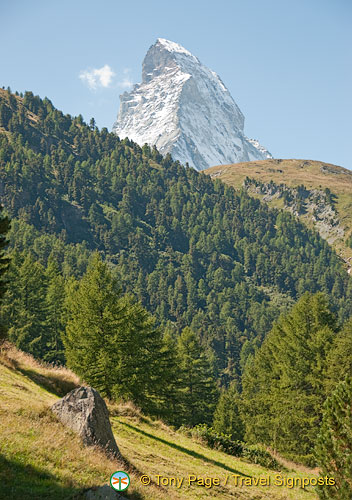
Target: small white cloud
x,y
97,77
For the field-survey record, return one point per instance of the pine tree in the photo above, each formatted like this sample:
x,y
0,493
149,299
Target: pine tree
x,y
227,418
24,305
334,443
340,357
110,340
170,392
55,297
199,392
283,386
4,263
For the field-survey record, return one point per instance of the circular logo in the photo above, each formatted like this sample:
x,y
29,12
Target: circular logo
x,y
120,480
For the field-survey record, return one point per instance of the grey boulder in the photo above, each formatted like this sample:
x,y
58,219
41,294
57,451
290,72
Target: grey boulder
x,y
84,411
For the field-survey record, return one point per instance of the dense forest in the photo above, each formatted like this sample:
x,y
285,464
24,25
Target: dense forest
x,y
203,270
193,251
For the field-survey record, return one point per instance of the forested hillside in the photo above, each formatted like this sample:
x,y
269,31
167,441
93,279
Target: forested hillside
x,y
194,251
319,193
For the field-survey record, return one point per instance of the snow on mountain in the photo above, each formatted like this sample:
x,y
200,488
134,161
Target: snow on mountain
x,y
184,108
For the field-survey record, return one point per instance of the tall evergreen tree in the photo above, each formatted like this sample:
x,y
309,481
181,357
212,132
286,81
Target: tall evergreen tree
x,y
55,297
334,444
4,262
110,340
227,418
25,306
283,387
170,392
340,357
199,392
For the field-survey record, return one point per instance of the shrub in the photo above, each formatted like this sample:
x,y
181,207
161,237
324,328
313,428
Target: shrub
x,y
258,454
216,440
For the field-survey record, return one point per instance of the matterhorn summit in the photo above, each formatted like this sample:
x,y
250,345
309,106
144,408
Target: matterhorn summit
x,y
185,109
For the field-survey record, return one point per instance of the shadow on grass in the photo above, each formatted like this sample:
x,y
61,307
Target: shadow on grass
x,y
19,481
50,380
192,453
50,383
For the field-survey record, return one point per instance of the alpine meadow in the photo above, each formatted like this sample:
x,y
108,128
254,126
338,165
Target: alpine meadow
x,y
221,324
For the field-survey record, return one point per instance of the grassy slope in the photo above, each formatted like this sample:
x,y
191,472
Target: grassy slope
x,y
40,458
312,174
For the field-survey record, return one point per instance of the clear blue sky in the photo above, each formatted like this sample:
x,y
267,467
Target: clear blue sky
x,y
287,63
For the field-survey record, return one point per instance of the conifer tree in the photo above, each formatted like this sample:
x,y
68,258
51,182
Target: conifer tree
x,y
199,392
24,305
283,386
55,297
334,444
4,262
340,357
110,340
170,392
227,418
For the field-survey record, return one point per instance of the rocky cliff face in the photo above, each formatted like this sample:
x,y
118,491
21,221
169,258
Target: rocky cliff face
x,y
311,204
184,109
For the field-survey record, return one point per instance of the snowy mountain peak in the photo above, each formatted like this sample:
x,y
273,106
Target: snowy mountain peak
x,y
184,108
164,56
173,46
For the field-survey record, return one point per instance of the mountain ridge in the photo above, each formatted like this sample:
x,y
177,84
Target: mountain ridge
x,y
185,109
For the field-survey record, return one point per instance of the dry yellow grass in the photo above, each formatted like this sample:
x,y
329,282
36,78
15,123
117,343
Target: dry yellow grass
x,y
313,174
57,379
125,409
40,458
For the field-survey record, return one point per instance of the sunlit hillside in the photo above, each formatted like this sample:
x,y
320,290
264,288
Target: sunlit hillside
x,y
334,225
40,458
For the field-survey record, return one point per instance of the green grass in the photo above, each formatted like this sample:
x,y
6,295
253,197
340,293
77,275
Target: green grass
x,y
157,450
41,459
